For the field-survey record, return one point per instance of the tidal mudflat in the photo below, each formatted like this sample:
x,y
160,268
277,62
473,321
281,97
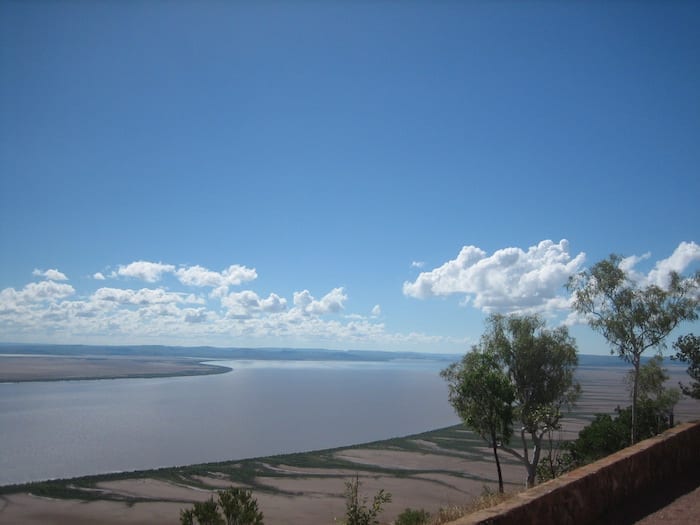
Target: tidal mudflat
x,y
428,470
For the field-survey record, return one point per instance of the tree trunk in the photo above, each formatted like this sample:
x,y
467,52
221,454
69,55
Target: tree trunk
x,y
532,468
635,386
498,464
531,475
529,480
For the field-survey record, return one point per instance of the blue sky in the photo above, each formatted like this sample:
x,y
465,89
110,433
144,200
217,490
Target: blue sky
x,y
314,173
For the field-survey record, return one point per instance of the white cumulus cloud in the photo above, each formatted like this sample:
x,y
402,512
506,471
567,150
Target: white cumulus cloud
x,y
683,257
273,304
142,297
145,270
52,275
332,302
509,280
196,315
33,295
685,254
231,276
246,304
219,281
195,307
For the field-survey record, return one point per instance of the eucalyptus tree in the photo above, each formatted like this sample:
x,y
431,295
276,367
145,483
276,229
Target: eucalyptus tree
x,y
656,401
633,318
482,396
688,351
652,388
529,373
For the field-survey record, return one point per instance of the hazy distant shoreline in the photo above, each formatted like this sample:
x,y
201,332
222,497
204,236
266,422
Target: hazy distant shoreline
x,y
218,353
210,353
21,362
24,362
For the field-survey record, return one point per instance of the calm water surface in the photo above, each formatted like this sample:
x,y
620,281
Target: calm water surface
x,y
70,428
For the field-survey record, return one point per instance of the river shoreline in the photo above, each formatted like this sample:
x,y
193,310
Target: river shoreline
x,y
431,470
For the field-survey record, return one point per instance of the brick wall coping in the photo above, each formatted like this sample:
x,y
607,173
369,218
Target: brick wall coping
x,y
584,495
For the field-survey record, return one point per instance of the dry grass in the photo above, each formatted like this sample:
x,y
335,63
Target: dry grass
x,y
488,499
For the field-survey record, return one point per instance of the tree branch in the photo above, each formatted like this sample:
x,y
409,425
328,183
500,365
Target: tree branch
x,y
512,452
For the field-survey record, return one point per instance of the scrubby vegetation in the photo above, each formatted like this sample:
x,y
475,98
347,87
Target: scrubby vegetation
x,y
234,506
608,433
688,351
357,510
413,517
488,499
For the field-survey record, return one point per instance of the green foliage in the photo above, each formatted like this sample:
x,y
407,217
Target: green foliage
x,y
237,505
632,318
603,436
482,395
651,385
655,401
207,513
413,517
688,351
356,510
650,421
541,365
187,517
556,461
607,434
519,371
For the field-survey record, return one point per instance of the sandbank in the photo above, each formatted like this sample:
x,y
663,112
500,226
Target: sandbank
x,y
57,368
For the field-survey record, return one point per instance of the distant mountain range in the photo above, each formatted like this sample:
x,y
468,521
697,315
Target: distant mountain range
x,y
265,354
210,352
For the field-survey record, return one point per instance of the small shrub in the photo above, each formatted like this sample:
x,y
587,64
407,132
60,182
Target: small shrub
x,y
413,517
356,511
237,505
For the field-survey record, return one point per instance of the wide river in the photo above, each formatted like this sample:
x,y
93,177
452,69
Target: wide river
x,y
70,428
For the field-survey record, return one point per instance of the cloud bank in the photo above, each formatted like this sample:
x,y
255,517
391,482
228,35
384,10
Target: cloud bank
x,y
147,302
155,302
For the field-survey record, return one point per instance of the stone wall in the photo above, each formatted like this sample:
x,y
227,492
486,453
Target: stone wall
x,y
586,494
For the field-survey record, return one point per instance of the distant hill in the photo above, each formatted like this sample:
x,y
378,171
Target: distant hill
x,y
269,354
210,352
